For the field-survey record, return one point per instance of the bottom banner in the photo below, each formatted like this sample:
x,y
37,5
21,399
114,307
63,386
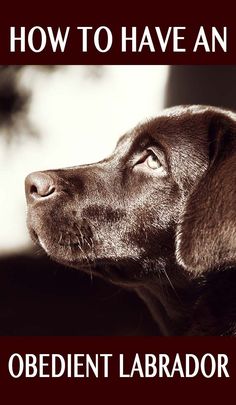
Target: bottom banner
x,y
117,369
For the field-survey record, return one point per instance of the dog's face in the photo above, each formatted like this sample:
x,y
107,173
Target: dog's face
x,y
124,216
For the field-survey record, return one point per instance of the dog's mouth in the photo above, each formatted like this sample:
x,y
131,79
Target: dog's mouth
x,y
34,235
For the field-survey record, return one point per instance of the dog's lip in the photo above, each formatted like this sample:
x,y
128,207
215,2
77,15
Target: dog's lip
x,y
34,235
37,239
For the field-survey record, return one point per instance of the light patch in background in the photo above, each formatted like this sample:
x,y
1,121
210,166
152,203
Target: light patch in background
x,y
79,117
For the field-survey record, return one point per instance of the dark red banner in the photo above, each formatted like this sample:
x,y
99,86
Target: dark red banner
x,y
117,369
100,33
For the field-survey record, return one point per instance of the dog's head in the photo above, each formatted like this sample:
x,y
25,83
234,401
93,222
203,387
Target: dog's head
x,y
164,199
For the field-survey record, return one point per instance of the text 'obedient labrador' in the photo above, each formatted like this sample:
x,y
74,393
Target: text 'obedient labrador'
x,y
158,216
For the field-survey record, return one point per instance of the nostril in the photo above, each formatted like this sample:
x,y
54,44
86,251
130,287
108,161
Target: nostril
x,y
50,191
45,193
33,189
39,185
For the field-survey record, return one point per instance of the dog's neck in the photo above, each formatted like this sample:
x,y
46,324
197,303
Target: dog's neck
x,y
202,306
170,307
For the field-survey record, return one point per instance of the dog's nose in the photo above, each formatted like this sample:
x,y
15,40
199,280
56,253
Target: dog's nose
x,y
38,185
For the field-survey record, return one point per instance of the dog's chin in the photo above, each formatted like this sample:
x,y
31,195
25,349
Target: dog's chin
x,y
122,271
69,255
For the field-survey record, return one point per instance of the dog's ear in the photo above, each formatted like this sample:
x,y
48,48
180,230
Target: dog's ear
x,y
206,236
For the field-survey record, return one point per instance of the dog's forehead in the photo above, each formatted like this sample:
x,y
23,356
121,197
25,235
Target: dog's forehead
x,y
176,127
165,127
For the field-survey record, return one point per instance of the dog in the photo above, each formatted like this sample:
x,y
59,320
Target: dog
x,y
157,216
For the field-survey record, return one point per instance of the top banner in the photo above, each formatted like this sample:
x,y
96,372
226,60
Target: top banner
x,y
106,34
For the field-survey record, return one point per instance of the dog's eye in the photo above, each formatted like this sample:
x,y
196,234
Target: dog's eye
x,y
152,161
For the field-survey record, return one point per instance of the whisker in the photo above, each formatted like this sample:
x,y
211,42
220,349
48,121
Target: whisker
x,y
60,238
172,286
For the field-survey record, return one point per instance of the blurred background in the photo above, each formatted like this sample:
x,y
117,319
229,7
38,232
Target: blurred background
x,y
56,116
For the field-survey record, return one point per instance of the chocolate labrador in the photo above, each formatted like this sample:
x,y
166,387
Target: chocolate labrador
x,y
157,216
